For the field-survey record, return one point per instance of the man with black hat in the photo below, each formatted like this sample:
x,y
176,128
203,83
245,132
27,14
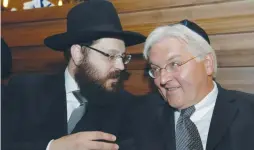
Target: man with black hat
x,y
82,108
190,111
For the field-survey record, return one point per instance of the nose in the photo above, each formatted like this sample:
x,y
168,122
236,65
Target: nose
x,y
165,76
119,64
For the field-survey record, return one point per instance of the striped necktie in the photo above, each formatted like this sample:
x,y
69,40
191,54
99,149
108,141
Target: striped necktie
x,y
187,136
78,112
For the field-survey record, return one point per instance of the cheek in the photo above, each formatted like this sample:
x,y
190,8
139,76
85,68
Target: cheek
x,y
194,73
101,66
190,78
184,77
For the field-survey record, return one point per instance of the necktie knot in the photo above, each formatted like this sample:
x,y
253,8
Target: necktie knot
x,y
188,111
79,97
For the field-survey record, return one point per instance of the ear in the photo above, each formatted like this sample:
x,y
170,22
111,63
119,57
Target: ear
x,y
209,64
76,54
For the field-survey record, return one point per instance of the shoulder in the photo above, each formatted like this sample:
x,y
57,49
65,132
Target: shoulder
x,y
239,96
244,101
243,98
31,87
30,79
31,84
236,96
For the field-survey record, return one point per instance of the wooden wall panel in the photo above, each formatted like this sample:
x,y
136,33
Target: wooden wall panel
x,y
241,78
139,5
167,15
122,6
31,34
228,21
234,50
37,59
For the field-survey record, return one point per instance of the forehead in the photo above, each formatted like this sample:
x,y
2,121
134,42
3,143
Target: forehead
x,y
110,45
166,48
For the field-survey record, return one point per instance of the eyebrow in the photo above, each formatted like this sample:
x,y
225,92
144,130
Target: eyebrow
x,y
173,57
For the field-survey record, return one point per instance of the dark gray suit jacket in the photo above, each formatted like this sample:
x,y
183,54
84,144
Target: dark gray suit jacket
x,y
36,113
231,128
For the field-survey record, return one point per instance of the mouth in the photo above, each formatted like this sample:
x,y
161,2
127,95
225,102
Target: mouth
x,y
172,88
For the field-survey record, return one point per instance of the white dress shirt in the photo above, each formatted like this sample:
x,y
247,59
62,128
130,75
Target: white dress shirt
x,y
70,86
203,114
72,102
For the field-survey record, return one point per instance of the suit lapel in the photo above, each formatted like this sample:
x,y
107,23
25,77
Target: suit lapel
x,y
168,126
223,116
57,114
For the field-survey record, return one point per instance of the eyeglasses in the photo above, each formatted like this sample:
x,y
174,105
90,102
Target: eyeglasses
x,y
125,57
170,67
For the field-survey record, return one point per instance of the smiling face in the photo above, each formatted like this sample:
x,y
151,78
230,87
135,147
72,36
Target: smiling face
x,y
190,83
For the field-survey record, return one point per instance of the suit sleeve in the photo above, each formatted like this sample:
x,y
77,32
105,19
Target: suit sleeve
x,y
15,130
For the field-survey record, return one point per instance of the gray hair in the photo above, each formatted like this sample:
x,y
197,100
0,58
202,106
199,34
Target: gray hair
x,y
195,43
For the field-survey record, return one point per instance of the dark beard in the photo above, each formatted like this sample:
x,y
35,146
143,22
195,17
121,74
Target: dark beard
x,y
93,89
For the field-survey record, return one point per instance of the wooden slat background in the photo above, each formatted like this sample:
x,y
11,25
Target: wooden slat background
x,y
230,24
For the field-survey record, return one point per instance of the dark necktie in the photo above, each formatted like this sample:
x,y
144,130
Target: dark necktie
x,y
78,112
187,136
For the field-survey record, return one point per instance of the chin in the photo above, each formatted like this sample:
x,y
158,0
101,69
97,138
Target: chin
x,y
177,104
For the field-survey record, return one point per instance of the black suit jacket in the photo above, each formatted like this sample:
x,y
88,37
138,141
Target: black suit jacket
x,y
231,128
36,113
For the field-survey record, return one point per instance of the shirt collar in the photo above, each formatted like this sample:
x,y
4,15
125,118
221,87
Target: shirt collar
x,y
209,99
70,83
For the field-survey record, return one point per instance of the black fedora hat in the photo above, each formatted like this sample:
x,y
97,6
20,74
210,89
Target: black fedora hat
x,y
89,21
196,28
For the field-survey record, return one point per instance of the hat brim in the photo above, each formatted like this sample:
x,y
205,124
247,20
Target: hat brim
x,y
62,41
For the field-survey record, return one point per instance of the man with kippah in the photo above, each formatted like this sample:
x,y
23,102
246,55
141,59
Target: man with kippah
x,y
191,111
